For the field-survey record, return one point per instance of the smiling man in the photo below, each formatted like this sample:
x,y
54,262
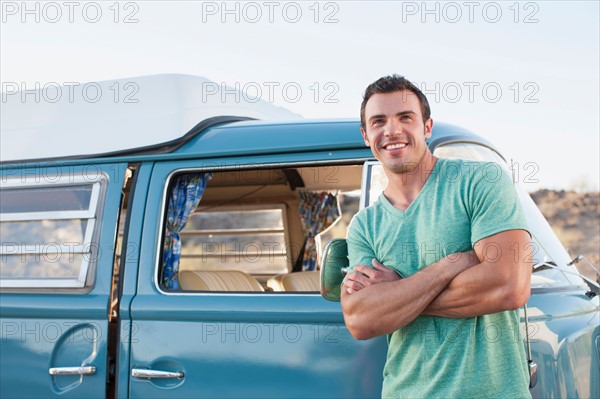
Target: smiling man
x,y
452,237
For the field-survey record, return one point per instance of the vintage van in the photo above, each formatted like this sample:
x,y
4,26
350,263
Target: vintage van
x,y
171,247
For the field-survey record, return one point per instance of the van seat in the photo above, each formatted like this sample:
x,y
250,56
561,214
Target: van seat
x,y
226,280
300,281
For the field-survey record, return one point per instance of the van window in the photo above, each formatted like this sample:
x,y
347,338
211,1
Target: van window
x,y
46,230
259,231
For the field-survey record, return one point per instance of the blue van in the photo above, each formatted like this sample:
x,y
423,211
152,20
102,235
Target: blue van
x,y
171,247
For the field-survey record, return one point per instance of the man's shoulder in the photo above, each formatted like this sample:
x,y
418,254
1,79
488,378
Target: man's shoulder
x,y
359,220
365,213
466,166
468,171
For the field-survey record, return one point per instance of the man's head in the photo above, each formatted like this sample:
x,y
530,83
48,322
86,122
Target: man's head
x,y
395,123
390,84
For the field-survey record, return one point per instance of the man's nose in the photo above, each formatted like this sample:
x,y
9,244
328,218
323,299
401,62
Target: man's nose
x,y
392,127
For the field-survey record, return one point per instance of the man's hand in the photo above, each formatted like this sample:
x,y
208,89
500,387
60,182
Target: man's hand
x,y
364,276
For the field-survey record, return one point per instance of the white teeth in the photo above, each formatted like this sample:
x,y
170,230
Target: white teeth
x,y
394,146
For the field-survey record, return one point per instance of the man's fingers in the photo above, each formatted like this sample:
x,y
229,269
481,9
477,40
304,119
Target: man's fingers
x,y
364,270
353,283
379,266
365,276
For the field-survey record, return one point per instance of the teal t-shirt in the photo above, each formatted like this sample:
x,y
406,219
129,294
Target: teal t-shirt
x,y
461,203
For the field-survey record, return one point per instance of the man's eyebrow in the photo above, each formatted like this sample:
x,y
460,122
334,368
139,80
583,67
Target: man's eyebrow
x,y
398,114
377,116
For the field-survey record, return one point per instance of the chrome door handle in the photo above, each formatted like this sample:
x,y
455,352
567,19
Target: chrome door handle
x,y
83,370
148,374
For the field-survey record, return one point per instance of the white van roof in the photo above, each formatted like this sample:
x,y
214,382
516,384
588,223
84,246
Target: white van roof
x,y
94,118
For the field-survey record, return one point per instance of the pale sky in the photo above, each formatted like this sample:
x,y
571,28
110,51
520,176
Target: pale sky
x,y
525,75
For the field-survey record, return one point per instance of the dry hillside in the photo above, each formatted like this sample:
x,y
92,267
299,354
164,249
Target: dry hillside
x,y
575,218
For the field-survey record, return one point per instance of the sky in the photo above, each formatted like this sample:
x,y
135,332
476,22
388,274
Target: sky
x,y
525,75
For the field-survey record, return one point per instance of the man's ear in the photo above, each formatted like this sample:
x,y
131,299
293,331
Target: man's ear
x,y
428,127
365,138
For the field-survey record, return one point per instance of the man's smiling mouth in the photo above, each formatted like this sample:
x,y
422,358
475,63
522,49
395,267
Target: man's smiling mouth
x,y
394,146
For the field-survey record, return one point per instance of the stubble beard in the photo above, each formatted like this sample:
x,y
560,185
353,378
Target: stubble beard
x,y
406,167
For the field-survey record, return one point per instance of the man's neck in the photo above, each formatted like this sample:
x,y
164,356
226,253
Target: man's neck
x,y
403,188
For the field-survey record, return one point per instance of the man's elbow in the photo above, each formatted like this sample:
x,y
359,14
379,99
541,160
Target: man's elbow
x,y
514,300
358,328
358,323
515,294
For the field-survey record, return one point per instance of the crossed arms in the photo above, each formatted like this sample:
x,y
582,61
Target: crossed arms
x,y
492,278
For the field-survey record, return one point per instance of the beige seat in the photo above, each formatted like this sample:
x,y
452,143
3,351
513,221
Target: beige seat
x,y
300,281
226,280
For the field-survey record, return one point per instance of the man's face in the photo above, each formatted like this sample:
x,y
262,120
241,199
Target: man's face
x,y
395,131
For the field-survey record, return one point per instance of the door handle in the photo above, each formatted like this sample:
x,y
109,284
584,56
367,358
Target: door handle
x,y
149,374
83,370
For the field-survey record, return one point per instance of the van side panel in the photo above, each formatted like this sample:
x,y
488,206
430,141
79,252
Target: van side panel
x,y
563,327
62,327
244,346
241,344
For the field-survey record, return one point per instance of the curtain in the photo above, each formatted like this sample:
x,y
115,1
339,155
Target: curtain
x,y
318,211
185,195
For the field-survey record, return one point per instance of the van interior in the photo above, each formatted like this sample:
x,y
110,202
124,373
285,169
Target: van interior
x,y
263,230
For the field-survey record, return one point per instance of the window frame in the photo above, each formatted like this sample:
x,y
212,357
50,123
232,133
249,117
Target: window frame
x,y
98,184
160,231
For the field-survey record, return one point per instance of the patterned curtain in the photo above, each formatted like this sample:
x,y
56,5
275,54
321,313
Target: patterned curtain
x,y
186,194
318,211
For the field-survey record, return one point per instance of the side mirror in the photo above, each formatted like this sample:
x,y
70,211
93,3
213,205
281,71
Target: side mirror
x,y
333,268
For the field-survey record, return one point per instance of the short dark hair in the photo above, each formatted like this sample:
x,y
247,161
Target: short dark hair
x,y
390,84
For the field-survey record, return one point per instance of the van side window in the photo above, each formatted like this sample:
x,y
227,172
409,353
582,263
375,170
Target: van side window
x,y
47,230
255,231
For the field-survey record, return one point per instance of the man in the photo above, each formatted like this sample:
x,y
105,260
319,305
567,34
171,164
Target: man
x,y
452,236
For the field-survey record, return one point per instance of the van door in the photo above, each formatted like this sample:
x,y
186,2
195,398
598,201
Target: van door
x,y
249,343
58,228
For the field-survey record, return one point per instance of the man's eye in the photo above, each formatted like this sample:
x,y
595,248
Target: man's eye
x,y
405,117
378,122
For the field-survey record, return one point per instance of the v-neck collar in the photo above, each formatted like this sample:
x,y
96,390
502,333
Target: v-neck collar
x,y
429,184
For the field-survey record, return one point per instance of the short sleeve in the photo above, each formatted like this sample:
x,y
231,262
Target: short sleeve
x,y
494,203
360,250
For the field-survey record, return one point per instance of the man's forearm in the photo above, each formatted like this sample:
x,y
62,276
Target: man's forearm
x,y
383,308
500,282
476,292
